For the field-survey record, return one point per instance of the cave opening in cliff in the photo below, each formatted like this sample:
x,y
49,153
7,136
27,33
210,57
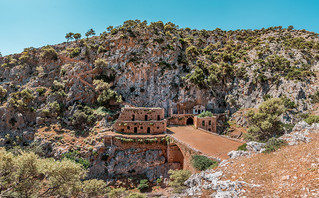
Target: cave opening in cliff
x,y
190,121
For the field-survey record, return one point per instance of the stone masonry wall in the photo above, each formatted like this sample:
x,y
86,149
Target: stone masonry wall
x,y
133,156
141,114
179,119
144,127
206,123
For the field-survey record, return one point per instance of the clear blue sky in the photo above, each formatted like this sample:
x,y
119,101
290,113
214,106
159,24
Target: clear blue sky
x,y
26,23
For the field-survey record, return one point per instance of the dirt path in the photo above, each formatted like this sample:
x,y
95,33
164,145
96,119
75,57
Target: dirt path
x,y
209,144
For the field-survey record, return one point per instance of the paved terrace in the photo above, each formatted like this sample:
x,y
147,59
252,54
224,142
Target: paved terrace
x,y
209,144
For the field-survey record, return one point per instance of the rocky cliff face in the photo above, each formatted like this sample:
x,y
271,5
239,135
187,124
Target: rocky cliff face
x,y
79,85
161,65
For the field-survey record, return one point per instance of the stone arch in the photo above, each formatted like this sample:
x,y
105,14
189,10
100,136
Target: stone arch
x,y
175,156
190,121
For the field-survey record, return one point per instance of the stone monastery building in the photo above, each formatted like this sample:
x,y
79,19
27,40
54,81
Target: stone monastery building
x,y
141,120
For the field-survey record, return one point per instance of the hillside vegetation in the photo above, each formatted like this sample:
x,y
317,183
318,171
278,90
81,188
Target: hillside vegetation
x,y
65,96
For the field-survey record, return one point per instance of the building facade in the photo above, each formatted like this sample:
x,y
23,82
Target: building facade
x,y
206,123
141,120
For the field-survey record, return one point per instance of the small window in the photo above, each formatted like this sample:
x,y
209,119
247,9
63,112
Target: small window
x,y
210,123
195,110
157,127
146,117
122,130
135,129
141,127
133,118
128,127
148,130
203,123
158,117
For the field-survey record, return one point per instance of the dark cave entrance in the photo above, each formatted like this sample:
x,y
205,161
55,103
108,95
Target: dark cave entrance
x,y
189,121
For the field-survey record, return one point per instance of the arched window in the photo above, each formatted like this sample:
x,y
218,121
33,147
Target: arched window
x,y
145,117
203,123
158,117
210,123
133,117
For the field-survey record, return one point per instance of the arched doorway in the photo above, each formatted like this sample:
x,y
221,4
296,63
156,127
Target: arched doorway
x,y
190,121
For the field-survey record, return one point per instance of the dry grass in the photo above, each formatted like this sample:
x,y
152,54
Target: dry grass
x,y
292,171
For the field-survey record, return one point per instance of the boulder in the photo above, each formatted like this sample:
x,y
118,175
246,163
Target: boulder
x,y
255,147
235,154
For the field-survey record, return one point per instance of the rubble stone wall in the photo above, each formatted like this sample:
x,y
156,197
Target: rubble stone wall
x,y
206,123
141,114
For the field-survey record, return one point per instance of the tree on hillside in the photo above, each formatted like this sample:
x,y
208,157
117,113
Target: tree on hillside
x,y
27,175
266,123
290,27
3,93
90,32
109,28
69,36
77,36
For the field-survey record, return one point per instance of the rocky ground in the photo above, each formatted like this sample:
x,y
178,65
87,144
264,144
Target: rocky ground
x,y
291,171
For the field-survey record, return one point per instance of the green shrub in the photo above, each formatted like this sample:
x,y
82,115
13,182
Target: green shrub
x,y
117,193
100,63
143,185
75,156
312,119
178,178
49,53
94,187
242,147
101,49
274,144
3,93
41,91
205,114
22,99
288,103
75,52
192,52
266,97
201,162
136,195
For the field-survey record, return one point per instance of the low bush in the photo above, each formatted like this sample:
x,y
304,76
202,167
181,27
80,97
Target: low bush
x,y
49,53
143,185
41,91
177,179
201,162
205,114
242,147
274,144
75,52
312,119
136,195
75,156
